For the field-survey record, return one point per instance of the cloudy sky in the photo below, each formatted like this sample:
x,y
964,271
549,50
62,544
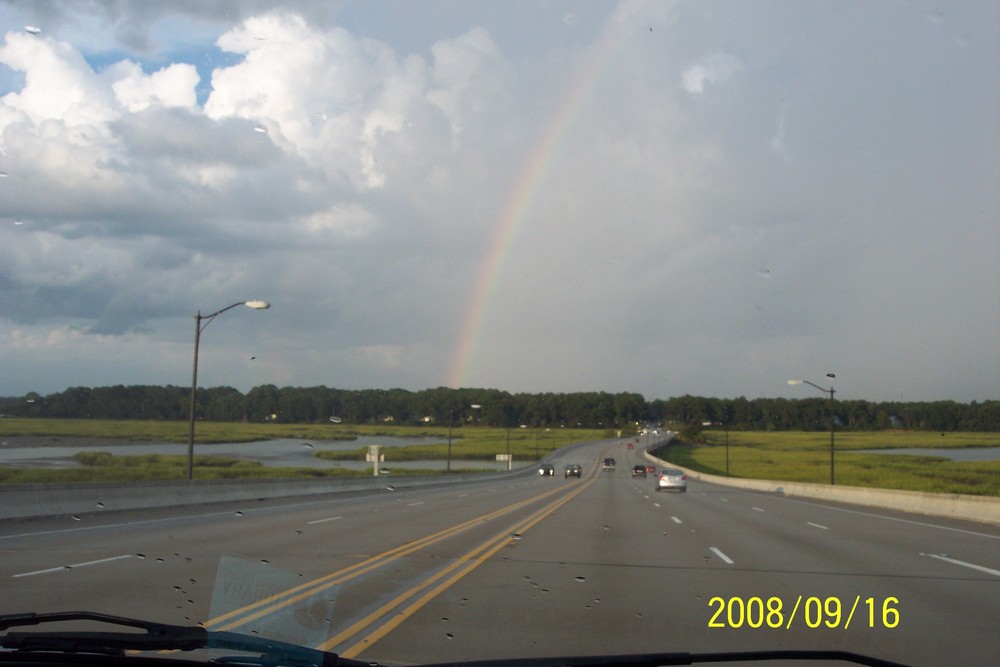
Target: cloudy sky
x,y
662,197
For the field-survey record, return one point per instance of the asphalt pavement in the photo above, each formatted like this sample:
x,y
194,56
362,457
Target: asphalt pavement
x,y
531,566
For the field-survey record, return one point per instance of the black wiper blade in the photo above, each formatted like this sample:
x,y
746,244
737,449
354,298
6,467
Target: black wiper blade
x,y
159,637
273,653
664,659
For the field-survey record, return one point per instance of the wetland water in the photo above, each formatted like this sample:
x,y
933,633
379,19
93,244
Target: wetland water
x,y
284,453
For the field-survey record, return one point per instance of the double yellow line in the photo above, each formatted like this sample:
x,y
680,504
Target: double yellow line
x,y
443,579
458,569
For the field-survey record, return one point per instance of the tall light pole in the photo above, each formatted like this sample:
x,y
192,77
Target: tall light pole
x,y
832,413
198,328
451,421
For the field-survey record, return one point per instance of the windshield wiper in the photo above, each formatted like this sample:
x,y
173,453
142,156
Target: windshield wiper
x,y
272,653
663,659
158,637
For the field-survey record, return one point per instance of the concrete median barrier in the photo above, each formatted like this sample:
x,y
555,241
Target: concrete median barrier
x,y
24,501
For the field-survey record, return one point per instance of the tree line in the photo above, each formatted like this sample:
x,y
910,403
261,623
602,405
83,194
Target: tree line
x,y
445,406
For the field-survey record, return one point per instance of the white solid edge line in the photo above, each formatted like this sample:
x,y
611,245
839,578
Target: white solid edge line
x,y
973,566
63,568
724,557
816,525
332,518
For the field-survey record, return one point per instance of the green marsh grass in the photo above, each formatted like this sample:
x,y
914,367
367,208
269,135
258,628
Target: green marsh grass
x,y
468,443
805,457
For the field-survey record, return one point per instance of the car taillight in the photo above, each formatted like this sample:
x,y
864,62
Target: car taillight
x,y
684,477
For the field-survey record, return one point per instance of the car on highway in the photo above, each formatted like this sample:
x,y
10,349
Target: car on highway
x,y
671,479
608,464
650,469
573,470
638,471
546,470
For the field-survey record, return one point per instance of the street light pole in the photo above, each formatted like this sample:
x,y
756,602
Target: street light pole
x,y
198,328
833,415
727,447
508,449
451,420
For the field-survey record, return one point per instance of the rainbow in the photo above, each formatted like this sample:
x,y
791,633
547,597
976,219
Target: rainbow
x,y
530,179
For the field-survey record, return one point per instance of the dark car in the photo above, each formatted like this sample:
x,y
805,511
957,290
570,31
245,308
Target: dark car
x,y
638,471
573,470
609,464
546,470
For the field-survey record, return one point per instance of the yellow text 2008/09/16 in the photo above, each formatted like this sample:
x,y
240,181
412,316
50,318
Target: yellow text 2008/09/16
x,y
812,611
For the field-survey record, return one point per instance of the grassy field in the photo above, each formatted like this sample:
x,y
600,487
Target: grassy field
x,y
805,457
205,432
481,443
468,443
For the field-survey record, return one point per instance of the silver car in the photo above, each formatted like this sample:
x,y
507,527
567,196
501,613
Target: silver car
x,y
672,478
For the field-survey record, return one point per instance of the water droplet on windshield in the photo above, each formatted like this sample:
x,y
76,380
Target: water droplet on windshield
x,y
515,536
260,128
238,514
100,505
307,445
448,635
390,487
581,579
34,30
160,560
76,518
140,556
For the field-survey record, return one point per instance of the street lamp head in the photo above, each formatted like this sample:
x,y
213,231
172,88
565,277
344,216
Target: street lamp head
x,y
795,382
831,375
257,305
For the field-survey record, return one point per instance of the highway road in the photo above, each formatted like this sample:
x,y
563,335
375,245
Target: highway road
x,y
531,566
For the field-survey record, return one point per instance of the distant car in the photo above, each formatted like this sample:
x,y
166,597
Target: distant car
x,y
573,470
609,464
546,470
651,469
638,471
672,478
631,446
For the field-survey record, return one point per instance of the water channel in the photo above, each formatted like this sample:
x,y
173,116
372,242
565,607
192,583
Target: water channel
x,y
282,453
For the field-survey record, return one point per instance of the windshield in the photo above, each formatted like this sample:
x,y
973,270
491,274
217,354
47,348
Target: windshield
x,y
446,263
